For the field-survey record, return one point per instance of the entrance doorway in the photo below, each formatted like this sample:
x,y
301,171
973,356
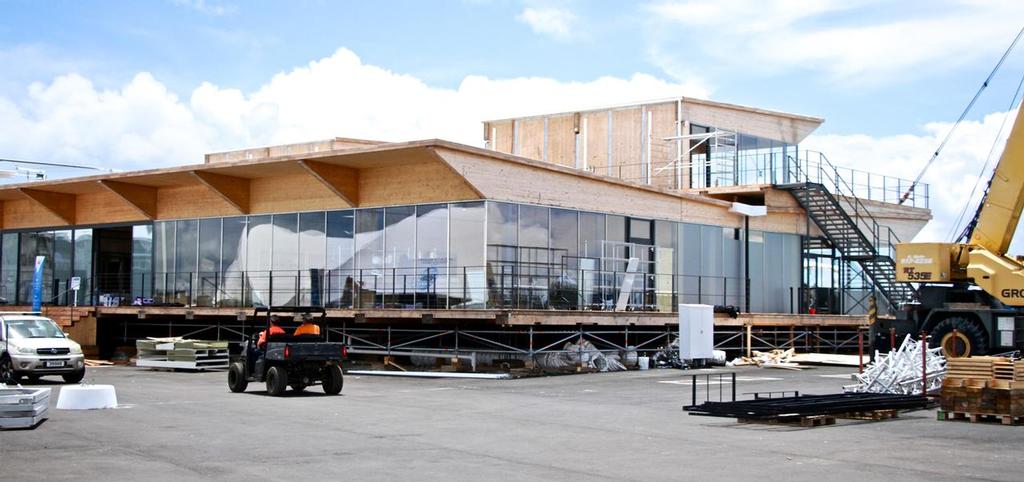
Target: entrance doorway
x,y
112,255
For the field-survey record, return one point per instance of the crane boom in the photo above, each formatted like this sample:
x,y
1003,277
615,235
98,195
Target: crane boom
x,y
1001,209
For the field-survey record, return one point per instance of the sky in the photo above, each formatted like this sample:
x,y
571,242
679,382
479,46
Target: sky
x,y
143,84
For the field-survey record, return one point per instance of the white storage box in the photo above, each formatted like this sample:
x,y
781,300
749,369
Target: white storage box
x,y
696,332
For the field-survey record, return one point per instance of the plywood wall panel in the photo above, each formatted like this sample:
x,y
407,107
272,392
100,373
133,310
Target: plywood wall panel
x,y
502,136
562,140
597,141
531,138
282,194
418,183
663,124
27,214
104,207
194,201
627,152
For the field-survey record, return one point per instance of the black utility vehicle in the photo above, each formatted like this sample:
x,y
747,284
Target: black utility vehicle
x,y
288,359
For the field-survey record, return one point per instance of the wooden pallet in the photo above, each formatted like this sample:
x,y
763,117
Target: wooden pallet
x,y
980,418
808,421
873,415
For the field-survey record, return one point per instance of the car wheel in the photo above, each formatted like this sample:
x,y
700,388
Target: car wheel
x,y
237,381
277,381
333,380
969,339
7,373
74,377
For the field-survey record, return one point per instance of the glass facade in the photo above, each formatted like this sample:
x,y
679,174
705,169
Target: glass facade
x,y
458,255
721,158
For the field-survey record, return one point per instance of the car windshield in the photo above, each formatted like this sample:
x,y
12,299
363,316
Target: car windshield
x,y
35,328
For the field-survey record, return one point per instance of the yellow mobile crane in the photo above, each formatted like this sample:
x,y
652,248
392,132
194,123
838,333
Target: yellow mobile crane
x,y
970,294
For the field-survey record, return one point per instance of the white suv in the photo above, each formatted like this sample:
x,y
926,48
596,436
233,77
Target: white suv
x,y
34,346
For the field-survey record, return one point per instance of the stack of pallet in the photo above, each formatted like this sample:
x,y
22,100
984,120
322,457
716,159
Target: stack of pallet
x,y
23,407
179,353
983,389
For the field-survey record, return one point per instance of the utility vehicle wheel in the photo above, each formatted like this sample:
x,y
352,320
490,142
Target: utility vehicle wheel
x,y
73,377
298,387
277,381
236,377
7,374
333,380
969,338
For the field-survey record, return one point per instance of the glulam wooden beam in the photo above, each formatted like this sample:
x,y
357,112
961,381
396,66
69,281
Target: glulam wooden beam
x,y
342,181
234,190
59,204
141,198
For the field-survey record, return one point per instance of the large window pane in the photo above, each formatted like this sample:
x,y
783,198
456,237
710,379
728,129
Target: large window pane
x,y
208,275
32,245
62,256
564,244
369,239
431,255
312,257
259,248
186,260
232,263
9,268
340,252
502,252
142,259
163,260
285,263
468,282
399,256
591,234
534,260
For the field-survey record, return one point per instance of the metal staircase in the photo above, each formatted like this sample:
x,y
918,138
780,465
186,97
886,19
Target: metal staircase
x,y
848,225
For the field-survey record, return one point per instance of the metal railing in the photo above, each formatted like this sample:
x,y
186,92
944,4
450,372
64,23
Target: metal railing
x,y
739,169
494,286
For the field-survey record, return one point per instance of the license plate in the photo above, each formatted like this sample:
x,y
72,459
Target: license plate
x,y
54,364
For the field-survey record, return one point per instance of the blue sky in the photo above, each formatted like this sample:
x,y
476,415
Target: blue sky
x,y
133,84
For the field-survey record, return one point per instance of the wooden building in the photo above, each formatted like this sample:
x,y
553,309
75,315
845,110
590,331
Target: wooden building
x,y
543,225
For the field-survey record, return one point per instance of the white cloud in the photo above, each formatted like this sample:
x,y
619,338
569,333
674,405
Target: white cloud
x,y
870,48
556,22
143,125
950,178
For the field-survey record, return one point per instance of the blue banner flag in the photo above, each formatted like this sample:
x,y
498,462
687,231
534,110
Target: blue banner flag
x,y
37,284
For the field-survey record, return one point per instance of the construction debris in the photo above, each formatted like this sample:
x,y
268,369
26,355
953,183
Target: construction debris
x,y
23,407
180,353
899,371
583,354
811,410
772,359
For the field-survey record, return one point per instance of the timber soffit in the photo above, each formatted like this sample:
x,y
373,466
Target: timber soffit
x,y
354,158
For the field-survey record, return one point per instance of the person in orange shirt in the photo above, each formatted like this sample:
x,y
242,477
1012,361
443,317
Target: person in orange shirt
x,y
307,327
274,330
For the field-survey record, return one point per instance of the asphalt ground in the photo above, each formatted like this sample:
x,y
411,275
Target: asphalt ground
x,y
623,426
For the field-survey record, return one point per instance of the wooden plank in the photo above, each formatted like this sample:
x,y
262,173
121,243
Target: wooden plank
x,y
234,190
141,198
342,181
562,140
59,204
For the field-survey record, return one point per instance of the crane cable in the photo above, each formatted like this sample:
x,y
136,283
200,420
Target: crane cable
x,y
969,229
963,115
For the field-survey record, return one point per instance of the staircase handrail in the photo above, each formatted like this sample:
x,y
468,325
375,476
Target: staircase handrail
x,y
879,232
